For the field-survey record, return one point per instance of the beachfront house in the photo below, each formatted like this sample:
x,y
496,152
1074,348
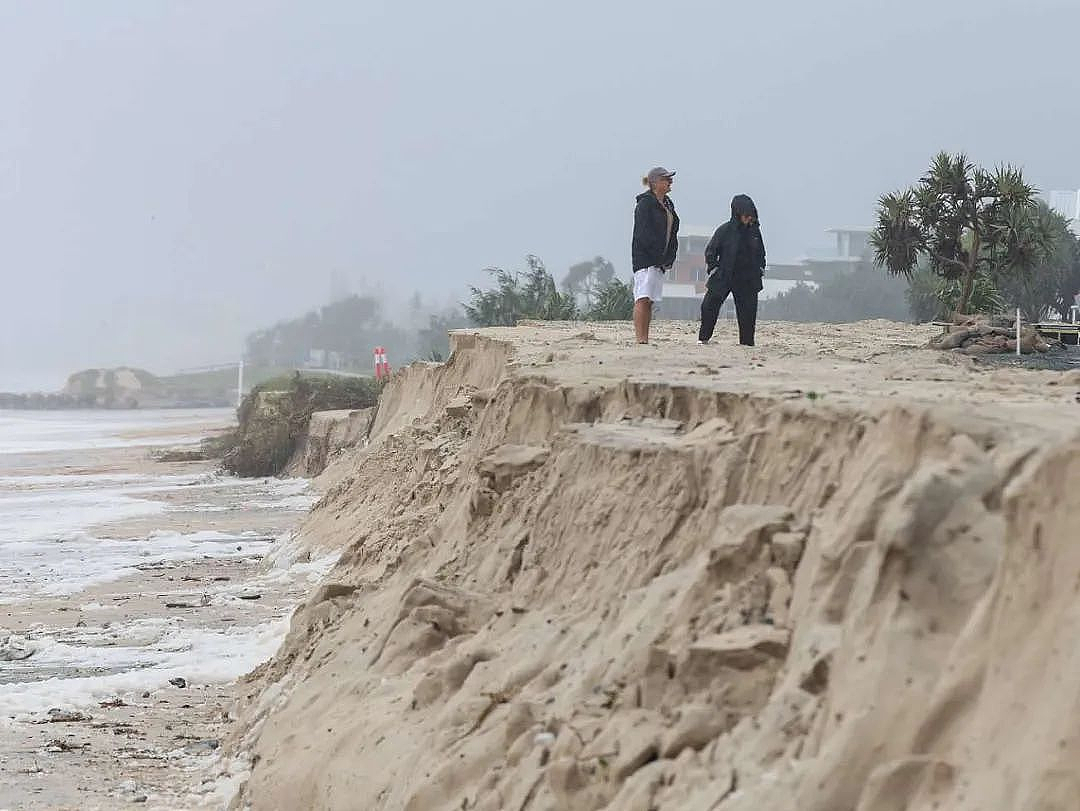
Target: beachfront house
x,y
685,283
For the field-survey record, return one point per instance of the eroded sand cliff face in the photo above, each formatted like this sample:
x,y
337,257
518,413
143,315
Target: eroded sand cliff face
x,y
576,577
327,435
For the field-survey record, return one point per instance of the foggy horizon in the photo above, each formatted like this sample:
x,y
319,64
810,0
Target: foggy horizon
x,y
173,177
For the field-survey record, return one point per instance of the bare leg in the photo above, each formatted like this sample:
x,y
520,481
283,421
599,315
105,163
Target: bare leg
x,y
642,319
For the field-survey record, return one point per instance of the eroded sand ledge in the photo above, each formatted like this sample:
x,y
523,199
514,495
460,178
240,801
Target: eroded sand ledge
x,y
834,572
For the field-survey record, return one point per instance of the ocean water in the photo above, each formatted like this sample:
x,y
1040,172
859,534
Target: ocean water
x,y
49,550
35,431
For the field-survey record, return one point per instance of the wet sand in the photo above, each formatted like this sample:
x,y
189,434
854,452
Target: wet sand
x,y
135,739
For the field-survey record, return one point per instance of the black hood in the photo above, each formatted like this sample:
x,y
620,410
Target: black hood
x,y
742,204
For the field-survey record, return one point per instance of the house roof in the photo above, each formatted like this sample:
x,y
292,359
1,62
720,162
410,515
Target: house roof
x,y
839,260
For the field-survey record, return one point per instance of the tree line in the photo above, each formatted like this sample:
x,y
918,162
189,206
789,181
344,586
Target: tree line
x,y
963,238
589,292
342,334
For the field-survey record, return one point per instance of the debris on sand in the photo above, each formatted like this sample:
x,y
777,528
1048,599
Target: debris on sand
x,y
15,648
990,335
59,716
61,745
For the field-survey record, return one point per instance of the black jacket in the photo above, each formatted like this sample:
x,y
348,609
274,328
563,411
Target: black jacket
x,y
650,232
723,249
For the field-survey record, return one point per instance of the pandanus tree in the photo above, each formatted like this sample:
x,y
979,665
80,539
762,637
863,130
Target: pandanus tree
x,y
963,222
1054,280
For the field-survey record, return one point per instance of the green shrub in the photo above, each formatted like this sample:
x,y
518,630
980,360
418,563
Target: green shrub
x,y
275,414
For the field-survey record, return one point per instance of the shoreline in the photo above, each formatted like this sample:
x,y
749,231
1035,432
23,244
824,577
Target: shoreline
x,y
458,633
197,580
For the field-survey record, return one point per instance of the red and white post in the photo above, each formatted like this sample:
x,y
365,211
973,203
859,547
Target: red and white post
x,y
382,365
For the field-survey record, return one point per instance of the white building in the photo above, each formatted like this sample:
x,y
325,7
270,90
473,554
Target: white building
x,y
684,284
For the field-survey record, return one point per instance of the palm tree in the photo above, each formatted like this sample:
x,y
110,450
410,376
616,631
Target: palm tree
x,y
966,222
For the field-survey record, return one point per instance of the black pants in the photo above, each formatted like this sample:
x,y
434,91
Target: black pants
x,y
745,311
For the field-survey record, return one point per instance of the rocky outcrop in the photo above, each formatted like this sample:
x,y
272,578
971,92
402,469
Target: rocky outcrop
x,y
126,388
112,388
586,593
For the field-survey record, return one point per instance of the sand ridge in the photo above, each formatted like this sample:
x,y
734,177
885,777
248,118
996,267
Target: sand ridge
x,y
834,571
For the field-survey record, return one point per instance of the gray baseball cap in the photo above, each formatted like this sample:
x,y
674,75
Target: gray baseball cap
x,y
659,173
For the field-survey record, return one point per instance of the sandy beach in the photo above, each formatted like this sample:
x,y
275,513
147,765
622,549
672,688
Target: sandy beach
x,y
565,572
133,594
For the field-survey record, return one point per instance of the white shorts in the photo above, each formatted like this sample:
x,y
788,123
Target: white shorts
x,y
649,283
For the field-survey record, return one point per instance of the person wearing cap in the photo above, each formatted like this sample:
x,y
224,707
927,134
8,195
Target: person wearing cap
x,y
735,262
656,231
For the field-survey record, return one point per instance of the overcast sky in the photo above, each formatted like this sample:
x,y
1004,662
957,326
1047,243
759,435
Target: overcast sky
x,y
175,174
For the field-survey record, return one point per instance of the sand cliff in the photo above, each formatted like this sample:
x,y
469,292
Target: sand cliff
x,y
832,572
328,434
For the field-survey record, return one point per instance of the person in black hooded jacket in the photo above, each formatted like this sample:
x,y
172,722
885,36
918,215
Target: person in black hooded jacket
x,y
735,261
